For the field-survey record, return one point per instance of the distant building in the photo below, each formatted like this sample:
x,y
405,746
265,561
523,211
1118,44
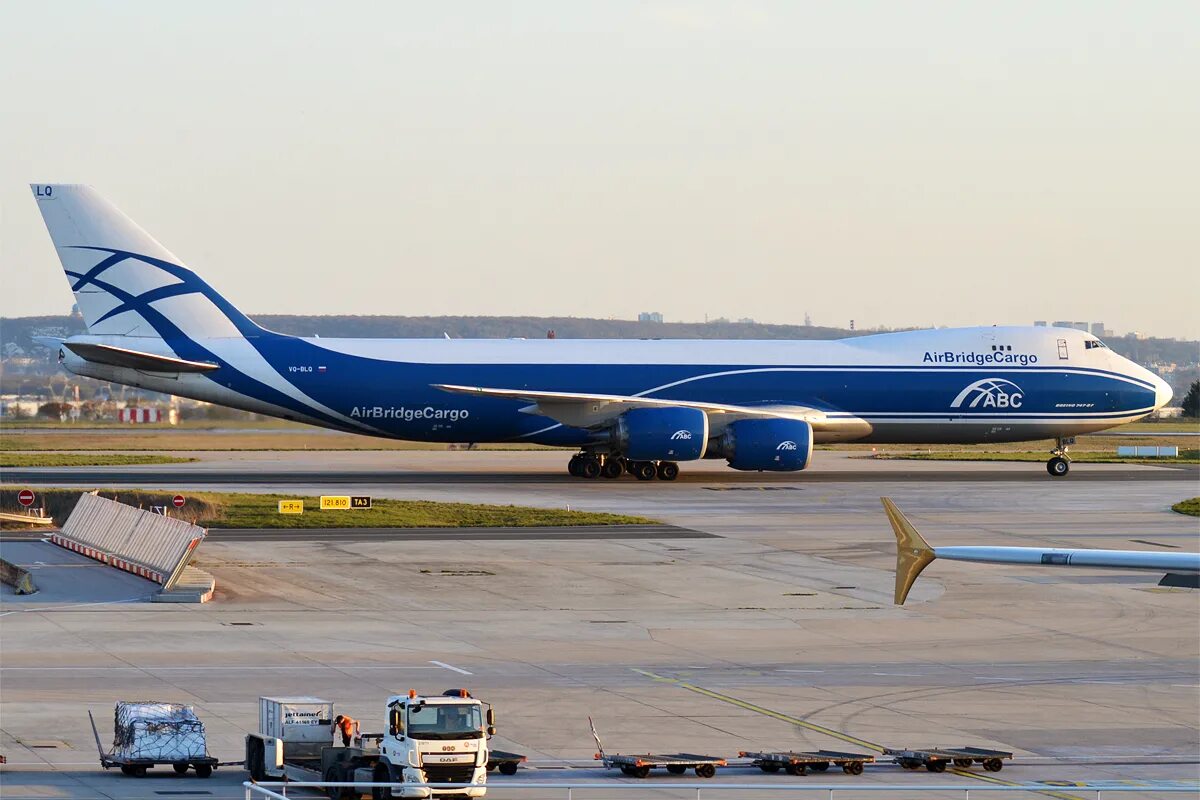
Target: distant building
x,y
1039,323
1098,329
746,321
650,316
807,320
1063,323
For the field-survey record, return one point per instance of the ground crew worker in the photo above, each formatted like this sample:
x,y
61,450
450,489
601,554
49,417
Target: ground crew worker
x,y
348,727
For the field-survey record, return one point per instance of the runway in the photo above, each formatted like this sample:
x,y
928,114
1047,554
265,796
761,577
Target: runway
x,y
766,593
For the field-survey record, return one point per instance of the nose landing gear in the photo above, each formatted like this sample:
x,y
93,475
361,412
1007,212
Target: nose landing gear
x,y
1060,464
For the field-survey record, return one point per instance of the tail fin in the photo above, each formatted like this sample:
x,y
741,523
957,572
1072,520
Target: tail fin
x,y
125,282
913,554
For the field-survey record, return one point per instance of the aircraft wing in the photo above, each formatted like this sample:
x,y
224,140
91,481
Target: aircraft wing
x,y
135,359
913,554
590,410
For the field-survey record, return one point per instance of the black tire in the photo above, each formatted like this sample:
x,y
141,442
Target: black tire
x,y
853,768
645,471
641,772
993,765
203,770
258,757
508,768
589,468
127,770
613,468
962,763
139,771
935,766
706,770
180,767
335,774
796,769
676,769
770,766
573,466
820,766
667,470
382,774
1058,466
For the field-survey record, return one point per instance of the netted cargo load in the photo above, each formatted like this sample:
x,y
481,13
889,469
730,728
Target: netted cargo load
x,y
157,732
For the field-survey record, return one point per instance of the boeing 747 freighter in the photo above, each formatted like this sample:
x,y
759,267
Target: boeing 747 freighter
x,y
624,406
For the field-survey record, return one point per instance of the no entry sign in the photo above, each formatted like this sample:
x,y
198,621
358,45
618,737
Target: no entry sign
x,y
178,501
25,497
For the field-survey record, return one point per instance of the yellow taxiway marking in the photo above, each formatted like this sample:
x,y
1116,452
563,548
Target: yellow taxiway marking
x,y
812,726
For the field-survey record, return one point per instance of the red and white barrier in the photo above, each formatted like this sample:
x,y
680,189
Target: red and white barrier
x,y
135,415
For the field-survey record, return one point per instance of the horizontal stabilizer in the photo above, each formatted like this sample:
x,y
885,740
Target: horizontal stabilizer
x,y
134,359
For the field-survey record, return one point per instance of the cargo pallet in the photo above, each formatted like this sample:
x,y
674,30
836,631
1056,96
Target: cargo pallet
x,y
639,766
137,767
800,763
505,762
935,759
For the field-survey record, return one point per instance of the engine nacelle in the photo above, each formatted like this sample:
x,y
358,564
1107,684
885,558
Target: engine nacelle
x,y
661,434
777,445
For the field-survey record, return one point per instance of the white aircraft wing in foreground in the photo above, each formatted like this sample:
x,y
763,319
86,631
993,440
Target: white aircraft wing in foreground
x,y
913,554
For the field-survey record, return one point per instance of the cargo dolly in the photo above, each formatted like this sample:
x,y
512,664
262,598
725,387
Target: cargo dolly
x,y
935,759
800,763
137,767
505,762
639,766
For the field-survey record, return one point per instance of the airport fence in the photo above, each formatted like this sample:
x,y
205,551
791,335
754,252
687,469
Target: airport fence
x,y
153,546
1062,790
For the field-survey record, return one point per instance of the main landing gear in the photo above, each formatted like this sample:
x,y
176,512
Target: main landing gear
x,y
1060,464
595,465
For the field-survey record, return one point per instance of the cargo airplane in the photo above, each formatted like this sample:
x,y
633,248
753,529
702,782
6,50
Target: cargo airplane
x,y
624,406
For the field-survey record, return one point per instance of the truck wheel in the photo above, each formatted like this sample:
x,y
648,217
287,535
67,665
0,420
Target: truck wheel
x,y
935,766
508,768
382,774
706,770
334,775
203,770
139,771
180,767
256,763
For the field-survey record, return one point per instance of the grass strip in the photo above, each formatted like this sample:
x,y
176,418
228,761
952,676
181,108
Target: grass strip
x,y
244,510
1191,507
57,459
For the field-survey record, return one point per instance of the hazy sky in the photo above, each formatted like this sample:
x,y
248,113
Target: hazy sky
x,y
894,163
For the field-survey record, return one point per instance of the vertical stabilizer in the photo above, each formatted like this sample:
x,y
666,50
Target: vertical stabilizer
x,y
912,552
125,282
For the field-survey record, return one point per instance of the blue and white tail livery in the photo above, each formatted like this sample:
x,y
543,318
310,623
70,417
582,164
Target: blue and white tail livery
x,y
626,406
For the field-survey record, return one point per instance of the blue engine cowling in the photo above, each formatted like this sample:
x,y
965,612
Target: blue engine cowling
x,y
662,434
778,445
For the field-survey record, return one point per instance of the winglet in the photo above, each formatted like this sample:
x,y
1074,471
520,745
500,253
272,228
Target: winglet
x,y
912,552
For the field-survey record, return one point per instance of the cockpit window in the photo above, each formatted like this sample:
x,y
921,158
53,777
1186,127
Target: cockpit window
x,y
1092,344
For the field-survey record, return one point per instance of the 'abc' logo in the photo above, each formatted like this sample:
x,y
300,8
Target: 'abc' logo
x,y
788,445
683,434
990,393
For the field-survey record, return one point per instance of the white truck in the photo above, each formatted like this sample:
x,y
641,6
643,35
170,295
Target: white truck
x,y
429,739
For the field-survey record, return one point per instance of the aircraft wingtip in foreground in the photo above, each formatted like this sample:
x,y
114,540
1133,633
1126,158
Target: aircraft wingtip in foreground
x,y
636,407
914,554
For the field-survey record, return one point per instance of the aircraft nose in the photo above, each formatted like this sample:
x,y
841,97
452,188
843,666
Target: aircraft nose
x,y
1162,392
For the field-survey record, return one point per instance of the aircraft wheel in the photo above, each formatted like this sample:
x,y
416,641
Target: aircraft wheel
x,y
573,466
612,468
644,470
589,468
706,770
1058,466
667,470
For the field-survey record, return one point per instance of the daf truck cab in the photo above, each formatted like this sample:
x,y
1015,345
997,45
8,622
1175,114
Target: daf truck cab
x,y
439,739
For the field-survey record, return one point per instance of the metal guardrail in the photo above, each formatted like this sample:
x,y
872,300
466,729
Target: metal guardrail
x,y
638,790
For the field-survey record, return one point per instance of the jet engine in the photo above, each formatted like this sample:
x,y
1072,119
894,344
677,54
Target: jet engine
x,y
661,434
777,445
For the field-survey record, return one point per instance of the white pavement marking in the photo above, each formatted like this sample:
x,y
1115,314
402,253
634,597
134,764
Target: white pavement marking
x,y
451,668
339,668
801,670
74,606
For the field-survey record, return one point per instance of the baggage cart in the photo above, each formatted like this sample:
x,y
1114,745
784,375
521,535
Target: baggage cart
x,y
794,763
136,766
639,766
936,759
